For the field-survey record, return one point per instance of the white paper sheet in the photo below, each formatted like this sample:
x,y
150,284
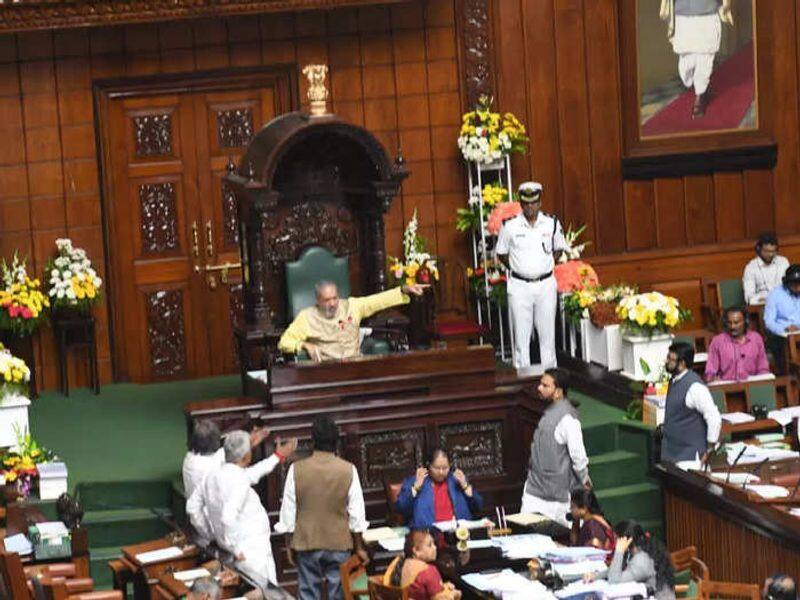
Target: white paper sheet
x,y
784,416
52,529
736,478
529,545
756,454
738,417
769,491
191,574
159,555
19,544
507,584
479,544
568,554
393,544
451,525
378,534
526,519
576,570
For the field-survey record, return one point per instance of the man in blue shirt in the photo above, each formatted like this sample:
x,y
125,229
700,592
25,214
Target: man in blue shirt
x,y
782,313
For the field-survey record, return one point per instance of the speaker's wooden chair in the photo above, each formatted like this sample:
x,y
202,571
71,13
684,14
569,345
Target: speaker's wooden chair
x,y
353,574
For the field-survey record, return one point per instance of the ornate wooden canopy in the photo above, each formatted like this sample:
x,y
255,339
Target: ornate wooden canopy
x,y
30,15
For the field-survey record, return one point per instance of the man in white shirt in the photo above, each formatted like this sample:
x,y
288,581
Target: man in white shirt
x,y
691,418
558,461
226,509
323,514
765,272
526,246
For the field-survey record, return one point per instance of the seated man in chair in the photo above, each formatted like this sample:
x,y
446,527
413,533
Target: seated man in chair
x,y
329,330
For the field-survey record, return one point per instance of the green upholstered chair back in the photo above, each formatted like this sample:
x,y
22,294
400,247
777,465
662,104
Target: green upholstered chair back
x,y
762,393
731,293
719,399
314,264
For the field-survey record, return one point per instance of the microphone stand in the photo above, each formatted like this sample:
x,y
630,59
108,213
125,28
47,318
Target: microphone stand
x,y
733,464
754,471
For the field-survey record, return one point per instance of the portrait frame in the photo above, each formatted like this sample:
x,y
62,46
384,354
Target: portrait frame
x,y
686,153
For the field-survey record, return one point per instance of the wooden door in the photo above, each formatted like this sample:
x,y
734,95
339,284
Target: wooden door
x,y
172,226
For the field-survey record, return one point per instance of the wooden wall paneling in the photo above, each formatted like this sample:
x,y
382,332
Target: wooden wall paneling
x,y
700,221
542,114
573,111
758,202
640,220
602,75
784,108
729,206
688,292
670,212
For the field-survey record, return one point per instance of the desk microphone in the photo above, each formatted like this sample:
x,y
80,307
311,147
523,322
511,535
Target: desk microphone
x,y
709,456
733,464
754,471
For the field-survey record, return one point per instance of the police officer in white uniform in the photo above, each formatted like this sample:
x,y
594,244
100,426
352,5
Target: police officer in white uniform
x,y
526,246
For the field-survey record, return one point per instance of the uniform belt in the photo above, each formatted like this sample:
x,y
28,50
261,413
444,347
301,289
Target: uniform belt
x,y
516,275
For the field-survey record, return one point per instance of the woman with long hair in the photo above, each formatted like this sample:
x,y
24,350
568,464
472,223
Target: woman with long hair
x,y
642,558
417,571
589,525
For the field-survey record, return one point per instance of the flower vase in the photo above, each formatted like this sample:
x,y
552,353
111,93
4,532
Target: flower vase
x,y
22,347
636,349
605,346
13,417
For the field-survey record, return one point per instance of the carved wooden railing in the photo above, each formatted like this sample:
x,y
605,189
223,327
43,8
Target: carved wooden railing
x,y
30,15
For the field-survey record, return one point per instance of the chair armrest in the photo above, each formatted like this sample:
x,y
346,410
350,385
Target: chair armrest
x,y
99,595
78,585
53,570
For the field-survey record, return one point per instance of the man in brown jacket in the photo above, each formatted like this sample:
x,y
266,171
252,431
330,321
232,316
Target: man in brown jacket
x,y
323,514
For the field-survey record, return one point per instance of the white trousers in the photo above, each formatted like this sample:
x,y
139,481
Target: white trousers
x,y
258,563
553,510
533,303
695,71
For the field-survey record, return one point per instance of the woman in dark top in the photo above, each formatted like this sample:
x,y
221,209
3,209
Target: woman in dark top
x,y
589,526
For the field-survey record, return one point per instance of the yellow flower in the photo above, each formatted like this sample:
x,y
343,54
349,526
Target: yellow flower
x,y
11,476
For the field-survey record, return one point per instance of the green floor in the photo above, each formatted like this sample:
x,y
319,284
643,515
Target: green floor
x,y
124,448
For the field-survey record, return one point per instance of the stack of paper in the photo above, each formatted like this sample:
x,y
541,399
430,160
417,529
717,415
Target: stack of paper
x,y
18,544
769,491
52,529
188,577
576,570
507,584
735,478
392,544
527,519
159,555
603,589
738,417
784,416
756,454
378,534
574,554
451,525
529,545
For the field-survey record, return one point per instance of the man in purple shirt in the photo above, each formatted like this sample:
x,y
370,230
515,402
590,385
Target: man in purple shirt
x,y
737,353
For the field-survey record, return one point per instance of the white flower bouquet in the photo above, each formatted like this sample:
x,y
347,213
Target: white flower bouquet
x,y
650,313
74,284
487,136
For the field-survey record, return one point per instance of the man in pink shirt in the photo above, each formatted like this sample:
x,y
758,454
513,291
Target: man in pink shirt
x,y
737,353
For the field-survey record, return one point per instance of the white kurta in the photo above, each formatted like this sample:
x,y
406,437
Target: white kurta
x,y
197,466
696,42
225,508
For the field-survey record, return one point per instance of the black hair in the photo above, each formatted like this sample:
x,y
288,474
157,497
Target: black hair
x,y
560,378
684,352
325,434
734,309
413,538
586,499
766,238
655,549
206,438
436,453
792,274
781,587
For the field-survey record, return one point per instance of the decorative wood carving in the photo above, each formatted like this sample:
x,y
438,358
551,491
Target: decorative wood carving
x,y
230,218
236,314
393,450
159,221
28,15
165,329
477,448
153,134
308,224
476,49
234,127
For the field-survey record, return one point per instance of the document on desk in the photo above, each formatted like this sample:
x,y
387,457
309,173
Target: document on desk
x,y
769,492
735,478
528,545
576,570
191,574
378,534
784,416
737,417
507,584
159,555
392,544
603,589
52,529
472,544
527,519
572,554
19,544
444,526
755,454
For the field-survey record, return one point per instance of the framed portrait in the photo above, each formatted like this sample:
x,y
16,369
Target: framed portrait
x,y
690,87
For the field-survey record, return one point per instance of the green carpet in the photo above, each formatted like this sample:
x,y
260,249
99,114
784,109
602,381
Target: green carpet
x,y
127,432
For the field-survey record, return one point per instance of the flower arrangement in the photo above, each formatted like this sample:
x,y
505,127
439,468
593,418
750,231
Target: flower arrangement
x,y
74,284
487,136
495,278
578,304
501,213
493,194
14,374
575,275
573,249
650,313
417,266
18,464
23,306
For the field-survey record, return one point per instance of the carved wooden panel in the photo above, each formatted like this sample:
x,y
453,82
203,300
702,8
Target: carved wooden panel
x,y
166,332
153,135
476,41
308,224
476,448
236,313
393,450
159,218
230,218
234,127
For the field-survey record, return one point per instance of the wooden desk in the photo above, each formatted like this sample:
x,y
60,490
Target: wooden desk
x,y
757,426
169,588
390,412
146,576
18,518
738,537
